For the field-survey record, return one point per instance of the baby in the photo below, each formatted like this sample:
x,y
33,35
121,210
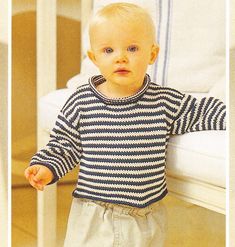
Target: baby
x,y
116,128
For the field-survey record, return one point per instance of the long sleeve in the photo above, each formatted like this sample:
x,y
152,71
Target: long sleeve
x,y
194,115
63,151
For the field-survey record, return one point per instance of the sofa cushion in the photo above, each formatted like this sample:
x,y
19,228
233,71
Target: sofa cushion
x,y
199,155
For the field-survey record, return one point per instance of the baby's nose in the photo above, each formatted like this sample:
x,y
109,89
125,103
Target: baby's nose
x,y
121,57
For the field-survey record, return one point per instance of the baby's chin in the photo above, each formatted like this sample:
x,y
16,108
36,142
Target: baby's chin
x,y
124,81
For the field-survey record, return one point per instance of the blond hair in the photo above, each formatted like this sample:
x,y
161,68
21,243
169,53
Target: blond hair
x,y
128,12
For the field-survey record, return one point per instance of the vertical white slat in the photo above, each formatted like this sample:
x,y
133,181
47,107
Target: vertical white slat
x,y
47,210
46,82
46,47
3,146
4,173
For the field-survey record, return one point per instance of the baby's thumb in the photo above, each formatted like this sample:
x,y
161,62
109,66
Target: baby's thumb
x,y
38,176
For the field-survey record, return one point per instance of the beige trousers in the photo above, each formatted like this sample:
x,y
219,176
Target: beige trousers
x,y
100,224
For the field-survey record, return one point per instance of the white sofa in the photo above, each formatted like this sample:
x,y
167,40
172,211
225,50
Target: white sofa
x,y
192,60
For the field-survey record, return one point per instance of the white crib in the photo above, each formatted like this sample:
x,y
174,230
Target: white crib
x,y
195,186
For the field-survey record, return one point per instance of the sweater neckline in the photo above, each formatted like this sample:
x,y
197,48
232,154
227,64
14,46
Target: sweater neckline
x,y
96,80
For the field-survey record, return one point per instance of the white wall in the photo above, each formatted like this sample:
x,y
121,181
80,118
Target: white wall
x,y
23,6
66,8
232,24
69,8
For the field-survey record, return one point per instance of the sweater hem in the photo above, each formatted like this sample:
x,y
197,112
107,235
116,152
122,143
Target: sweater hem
x,y
120,202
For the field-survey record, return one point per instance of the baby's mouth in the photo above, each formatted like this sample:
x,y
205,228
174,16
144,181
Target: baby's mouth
x,y
122,71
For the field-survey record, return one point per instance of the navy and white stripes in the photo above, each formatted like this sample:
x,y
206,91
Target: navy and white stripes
x,y
120,144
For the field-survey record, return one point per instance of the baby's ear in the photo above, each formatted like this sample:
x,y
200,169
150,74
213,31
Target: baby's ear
x,y
154,53
91,55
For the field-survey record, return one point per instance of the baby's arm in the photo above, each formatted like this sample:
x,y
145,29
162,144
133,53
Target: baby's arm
x,y
63,151
38,176
195,115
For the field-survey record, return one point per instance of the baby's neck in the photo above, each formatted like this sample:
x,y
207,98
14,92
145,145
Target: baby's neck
x,y
111,90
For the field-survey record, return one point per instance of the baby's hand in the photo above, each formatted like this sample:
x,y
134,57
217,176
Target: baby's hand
x,y
38,176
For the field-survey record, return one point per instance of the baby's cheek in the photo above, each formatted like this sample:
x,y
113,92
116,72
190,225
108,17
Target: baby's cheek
x,y
142,66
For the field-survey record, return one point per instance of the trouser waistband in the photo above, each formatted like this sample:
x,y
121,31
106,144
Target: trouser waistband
x,y
124,209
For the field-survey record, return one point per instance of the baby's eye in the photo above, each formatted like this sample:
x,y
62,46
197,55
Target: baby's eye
x,y
132,48
108,50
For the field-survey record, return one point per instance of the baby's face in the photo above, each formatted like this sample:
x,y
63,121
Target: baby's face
x,y
122,51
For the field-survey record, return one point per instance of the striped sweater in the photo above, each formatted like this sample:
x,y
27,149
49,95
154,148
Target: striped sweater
x,y
120,144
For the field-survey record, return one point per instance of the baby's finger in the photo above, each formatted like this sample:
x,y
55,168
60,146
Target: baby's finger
x,y
27,172
39,185
32,170
40,174
36,186
32,182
